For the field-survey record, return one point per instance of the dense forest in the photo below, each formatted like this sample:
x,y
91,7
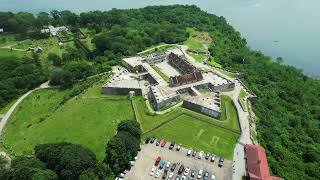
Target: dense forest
x,y
288,104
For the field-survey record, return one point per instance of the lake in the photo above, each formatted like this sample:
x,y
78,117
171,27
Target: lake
x,y
279,28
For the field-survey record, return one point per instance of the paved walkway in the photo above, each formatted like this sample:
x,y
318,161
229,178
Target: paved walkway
x,y
16,104
239,164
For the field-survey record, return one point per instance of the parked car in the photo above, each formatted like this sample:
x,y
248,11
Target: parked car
x,y
199,174
166,169
158,143
193,173
135,158
186,171
194,153
173,167
157,161
164,176
168,164
164,142
221,161
121,175
213,177
207,156
162,163
170,175
158,173
183,177
131,163
189,152
212,158
206,175
172,145
153,169
200,155
178,148
152,140
147,140
181,169
178,177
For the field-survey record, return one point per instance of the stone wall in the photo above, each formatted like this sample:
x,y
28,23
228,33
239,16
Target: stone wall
x,y
201,109
120,91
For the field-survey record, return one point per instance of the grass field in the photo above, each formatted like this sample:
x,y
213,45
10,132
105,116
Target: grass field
x,y
198,57
162,74
198,135
197,40
156,49
89,119
174,125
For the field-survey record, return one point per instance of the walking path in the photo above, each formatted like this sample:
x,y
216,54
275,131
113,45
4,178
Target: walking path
x,y
8,114
239,164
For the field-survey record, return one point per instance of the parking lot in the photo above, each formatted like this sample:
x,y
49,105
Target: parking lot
x,y
149,152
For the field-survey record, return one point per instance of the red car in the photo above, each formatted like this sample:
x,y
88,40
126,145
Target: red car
x,y
164,142
157,161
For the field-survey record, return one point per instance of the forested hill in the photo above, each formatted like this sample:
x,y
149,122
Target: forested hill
x,y
288,105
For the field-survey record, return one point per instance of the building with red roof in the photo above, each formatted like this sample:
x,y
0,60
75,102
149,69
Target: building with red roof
x,y
257,164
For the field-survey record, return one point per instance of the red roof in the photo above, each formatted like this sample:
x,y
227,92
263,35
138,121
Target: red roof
x,y
257,163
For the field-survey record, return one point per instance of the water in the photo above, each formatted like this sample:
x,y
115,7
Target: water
x,y
279,28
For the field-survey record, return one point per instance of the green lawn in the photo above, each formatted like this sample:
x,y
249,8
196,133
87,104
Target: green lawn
x,y
89,119
156,49
214,63
242,100
197,39
229,74
198,135
198,57
12,53
163,75
7,39
175,124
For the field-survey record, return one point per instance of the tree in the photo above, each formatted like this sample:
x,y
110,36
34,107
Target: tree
x,y
66,159
131,126
55,59
25,168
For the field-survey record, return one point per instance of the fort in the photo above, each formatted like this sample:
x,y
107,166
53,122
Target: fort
x,y
138,76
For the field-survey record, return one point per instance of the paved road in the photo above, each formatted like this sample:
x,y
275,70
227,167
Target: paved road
x,y
16,104
239,167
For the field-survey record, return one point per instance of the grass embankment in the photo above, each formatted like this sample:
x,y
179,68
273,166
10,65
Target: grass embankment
x,y
157,49
242,99
162,74
204,133
89,119
196,44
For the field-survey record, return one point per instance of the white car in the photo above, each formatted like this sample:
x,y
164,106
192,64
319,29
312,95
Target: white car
x,y
168,164
121,175
186,171
152,170
200,154
189,152
131,163
170,175
199,174
158,173
213,177
135,158
183,178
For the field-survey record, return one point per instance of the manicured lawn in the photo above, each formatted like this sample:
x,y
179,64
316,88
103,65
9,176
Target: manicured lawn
x,y
89,119
231,75
198,135
163,75
229,118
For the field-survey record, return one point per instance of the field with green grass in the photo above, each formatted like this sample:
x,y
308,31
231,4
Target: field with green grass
x,y
197,40
166,125
198,57
157,49
4,52
6,39
89,119
198,135
162,74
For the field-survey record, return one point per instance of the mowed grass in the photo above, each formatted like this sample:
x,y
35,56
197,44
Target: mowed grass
x,y
197,40
192,129
90,119
161,73
228,120
198,135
